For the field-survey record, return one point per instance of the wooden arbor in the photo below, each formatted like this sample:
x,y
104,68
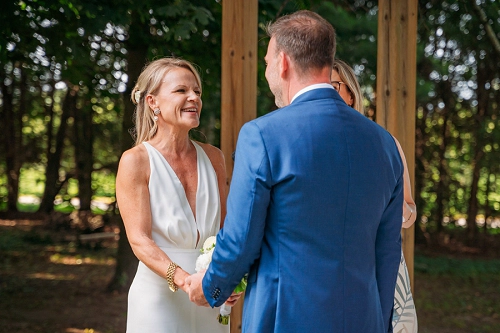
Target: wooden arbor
x,y
396,82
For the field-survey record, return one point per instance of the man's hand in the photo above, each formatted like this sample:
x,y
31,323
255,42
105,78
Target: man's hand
x,y
195,290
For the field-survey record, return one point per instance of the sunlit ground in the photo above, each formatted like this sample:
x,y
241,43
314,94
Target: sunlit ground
x,y
48,286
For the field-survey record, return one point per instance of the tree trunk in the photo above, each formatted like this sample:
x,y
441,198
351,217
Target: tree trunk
x,y
443,176
126,261
424,67
419,178
483,76
83,143
473,206
8,125
12,129
442,189
487,207
54,153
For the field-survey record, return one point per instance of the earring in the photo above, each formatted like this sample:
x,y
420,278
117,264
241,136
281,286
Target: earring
x,y
156,112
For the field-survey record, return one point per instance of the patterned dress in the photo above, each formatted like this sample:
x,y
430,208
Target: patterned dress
x,y
404,316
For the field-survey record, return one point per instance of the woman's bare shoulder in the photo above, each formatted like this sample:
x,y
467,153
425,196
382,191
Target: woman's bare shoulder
x,y
215,156
214,153
134,158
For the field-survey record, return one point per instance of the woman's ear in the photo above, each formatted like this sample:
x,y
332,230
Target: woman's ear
x,y
350,100
151,102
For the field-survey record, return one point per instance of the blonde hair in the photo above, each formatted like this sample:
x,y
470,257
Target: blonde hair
x,y
149,83
348,76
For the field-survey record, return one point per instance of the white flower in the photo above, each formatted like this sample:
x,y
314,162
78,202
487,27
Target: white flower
x,y
137,96
209,243
205,257
204,260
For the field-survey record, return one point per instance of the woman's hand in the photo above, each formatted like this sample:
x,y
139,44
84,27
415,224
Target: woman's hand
x,y
233,299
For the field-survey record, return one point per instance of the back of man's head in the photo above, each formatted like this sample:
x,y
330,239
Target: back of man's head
x,y
307,38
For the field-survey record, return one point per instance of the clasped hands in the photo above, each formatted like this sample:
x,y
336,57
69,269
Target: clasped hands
x,y
193,287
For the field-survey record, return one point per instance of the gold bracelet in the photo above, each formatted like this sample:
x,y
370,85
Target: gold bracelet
x,y
170,276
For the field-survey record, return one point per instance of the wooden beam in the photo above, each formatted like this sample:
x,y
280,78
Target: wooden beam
x,y
238,87
239,72
396,87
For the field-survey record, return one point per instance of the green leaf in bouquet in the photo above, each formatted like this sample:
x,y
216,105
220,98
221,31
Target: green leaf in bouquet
x,y
242,285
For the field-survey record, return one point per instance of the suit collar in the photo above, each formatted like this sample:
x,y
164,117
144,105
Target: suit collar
x,y
311,87
318,93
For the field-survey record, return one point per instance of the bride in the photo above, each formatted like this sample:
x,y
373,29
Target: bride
x,y
171,192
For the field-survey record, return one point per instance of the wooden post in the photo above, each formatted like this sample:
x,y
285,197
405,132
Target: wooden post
x,y
238,86
396,87
239,72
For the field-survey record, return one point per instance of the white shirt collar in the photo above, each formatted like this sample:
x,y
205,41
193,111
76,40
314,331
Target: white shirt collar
x,y
309,88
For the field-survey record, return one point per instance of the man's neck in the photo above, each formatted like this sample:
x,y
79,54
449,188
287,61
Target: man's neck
x,y
299,82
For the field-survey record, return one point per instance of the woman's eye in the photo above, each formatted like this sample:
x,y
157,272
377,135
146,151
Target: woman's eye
x,y
198,93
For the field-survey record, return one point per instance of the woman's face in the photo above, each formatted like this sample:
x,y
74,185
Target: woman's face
x,y
179,99
342,88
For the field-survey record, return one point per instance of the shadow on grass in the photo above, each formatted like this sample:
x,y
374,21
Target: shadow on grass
x,y
48,286
457,295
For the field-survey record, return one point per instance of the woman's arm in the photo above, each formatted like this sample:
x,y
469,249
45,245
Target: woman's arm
x,y
219,164
132,195
409,207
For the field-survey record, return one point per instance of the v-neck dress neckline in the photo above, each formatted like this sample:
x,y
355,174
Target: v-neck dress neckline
x,y
174,222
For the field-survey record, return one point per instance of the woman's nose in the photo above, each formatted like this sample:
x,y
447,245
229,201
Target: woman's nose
x,y
194,95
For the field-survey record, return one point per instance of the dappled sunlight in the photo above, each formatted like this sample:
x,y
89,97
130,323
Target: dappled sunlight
x,y
7,223
20,223
76,260
79,330
50,276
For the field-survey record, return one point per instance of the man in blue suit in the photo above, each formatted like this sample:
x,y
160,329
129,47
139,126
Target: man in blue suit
x,y
314,209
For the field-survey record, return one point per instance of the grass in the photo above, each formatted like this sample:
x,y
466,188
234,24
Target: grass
x,y
457,294
50,284
452,294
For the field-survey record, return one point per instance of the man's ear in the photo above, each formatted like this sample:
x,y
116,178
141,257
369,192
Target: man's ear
x,y
284,64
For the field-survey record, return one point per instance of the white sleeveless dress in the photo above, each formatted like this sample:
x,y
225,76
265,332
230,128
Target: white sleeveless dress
x,y
152,307
404,316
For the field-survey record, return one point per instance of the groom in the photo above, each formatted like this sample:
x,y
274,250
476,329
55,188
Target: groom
x,y
314,209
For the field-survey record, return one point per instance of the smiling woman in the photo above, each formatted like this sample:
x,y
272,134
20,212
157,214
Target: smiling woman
x,y
177,103
171,192
163,82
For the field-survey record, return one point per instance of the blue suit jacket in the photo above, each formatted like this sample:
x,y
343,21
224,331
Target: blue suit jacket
x,y
314,216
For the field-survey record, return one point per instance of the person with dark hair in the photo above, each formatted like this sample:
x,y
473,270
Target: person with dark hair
x,y
314,208
404,318
171,192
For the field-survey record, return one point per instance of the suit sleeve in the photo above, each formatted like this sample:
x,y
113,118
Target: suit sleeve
x,y
388,249
239,242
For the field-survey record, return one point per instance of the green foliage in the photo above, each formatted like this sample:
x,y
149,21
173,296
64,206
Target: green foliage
x,y
103,184
50,49
11,241
32,181
460,268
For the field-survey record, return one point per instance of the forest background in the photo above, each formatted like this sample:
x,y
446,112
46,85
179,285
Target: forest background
x,y
66,71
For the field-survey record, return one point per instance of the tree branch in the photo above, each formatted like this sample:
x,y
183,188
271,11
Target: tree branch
x,y
489,30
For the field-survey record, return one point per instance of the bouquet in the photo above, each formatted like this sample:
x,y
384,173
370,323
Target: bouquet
x,y
202,262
